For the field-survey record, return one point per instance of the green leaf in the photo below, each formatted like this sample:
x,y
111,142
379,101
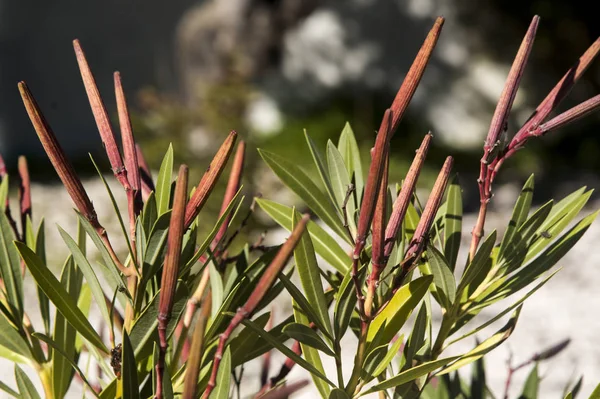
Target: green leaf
x,y
417,337
310,277
221,390
59,296
149,213
486,346
58,349
394,314
216,288
303,186
110,270
550,257
532,384
390,353
246,340
504,312
286,351
410,375
453,222
307,336
519,215
560,217
235,203
26,387
349,150
9,390
144,332
475,271
40,250
117,212
516,249
340,182
3,193
12,340
344,306
311,355
318,159
303,303
443,279
10,268
338,394
129,370
596,393
324,244
89,274
163,182
64,334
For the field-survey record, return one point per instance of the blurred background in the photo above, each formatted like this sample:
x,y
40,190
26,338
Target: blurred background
x,y
194,70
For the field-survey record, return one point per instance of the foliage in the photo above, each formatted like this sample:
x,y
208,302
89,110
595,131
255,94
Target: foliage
x,y
403,260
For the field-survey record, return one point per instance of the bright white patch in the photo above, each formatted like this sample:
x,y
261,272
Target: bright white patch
x,y
263,116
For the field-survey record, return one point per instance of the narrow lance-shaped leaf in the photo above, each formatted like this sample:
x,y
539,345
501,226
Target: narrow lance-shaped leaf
x,y
301,184
348,147
414,74
59,296
129,370
209,179
402,202
310,277
26,387
325,245
101,117
453,223
171,268
163,182
263,285
486,346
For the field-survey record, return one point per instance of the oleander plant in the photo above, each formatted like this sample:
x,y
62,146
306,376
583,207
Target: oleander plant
x,y
183,312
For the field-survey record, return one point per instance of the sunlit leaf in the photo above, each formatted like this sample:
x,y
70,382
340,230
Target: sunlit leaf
x,y
303,186
532,385
163,182
321,167
88,272
325,245
307,336
443,279
348,147
395,313
221,390
57,349
486,346
312,355
453,222
26,387
519,215
310,277
10,268
286,351
59,296
340,181
409,375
